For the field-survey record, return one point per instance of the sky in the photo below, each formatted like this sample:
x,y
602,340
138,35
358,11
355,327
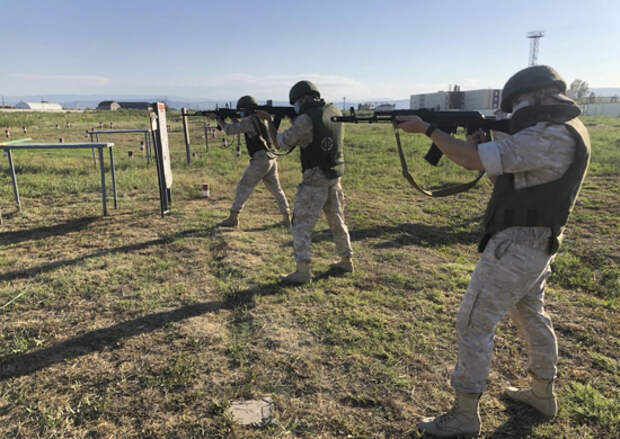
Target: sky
x,y
355,49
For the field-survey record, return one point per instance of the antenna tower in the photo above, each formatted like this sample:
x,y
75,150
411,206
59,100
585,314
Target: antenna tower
x,y
534,37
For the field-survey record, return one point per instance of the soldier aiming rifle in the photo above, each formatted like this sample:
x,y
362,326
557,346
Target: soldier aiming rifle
x,y
322,161
263,164
538,171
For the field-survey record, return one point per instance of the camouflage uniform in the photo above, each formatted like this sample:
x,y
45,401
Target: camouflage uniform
x,y
261,167
511,273
316,193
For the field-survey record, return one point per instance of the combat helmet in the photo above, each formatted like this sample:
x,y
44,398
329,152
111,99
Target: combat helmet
x,y
246,102
302,88
530,79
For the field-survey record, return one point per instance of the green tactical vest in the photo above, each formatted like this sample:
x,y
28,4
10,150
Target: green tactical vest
x,y
545,205
326,149
258,142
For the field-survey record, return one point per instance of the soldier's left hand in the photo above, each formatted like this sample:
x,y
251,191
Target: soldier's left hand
x,y
262,114
411,124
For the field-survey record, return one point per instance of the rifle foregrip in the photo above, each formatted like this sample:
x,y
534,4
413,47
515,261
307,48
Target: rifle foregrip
x,y
433,155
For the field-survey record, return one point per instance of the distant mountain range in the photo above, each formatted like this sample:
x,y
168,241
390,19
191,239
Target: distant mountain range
x,y
177,102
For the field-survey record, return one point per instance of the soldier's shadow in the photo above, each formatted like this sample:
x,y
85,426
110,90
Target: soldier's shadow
x,y
13,366
520,422
400,235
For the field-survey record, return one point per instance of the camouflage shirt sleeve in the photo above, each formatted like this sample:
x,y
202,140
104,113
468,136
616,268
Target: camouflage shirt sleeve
x,y
535,155
299,133
244,126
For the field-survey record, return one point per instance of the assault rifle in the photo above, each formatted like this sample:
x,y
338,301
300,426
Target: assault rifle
x,y
448,121
279,113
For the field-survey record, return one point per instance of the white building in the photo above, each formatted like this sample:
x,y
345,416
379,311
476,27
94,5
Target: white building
x,y
485,100
436,101
38,106
385,107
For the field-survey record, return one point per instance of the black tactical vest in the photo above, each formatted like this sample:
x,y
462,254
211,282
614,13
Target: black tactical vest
x,y
258,142
544,205
326,149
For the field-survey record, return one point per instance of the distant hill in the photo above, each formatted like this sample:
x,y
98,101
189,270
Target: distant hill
x,y
177,102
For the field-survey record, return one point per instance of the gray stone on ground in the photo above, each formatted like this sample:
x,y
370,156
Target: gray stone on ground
x,y
253,412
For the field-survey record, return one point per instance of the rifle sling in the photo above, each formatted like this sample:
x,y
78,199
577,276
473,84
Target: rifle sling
x,y
444,192
274,151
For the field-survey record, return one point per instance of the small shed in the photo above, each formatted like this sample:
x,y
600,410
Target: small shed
x,y
108,105
39,106
385,107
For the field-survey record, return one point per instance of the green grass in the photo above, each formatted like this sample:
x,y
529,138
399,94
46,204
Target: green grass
x,y
136,326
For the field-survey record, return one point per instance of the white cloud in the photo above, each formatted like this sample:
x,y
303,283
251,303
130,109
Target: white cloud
x,y
332,87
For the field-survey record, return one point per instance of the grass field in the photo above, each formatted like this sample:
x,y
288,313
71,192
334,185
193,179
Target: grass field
x,y
134,326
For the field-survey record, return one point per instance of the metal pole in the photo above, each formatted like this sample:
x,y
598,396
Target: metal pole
x,y
13,178
149,151
113,175
206,138
186,133
93,151
146,147
103,196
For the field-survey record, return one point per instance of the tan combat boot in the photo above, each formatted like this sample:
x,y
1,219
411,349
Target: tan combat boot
x,y
462,421
231,221
539,395
302,275
345,264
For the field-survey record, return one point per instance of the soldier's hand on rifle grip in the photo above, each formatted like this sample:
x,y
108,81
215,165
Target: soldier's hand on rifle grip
x,y
411,124
479,136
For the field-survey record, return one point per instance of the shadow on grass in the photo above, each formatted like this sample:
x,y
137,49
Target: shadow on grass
x,y
46,231
100,339
400,235
42,268
520,422
266,227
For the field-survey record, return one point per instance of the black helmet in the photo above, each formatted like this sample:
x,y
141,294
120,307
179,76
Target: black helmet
x,y
530,79
246,102
302,88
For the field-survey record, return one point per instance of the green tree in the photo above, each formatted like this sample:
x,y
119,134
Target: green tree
x,y
578,89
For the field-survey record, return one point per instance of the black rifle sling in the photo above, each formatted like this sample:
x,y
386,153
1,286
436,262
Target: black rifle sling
x,y
444,192
272,148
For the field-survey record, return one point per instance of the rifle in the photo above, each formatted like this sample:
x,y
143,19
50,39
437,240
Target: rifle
x,y
279,113
448,121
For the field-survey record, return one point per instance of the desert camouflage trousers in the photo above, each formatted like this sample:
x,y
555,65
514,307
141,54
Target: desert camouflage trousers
x,y
260,168
317,193
508,279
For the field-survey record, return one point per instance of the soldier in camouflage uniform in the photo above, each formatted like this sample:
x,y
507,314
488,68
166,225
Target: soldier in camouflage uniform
x,y
320,141
263,165
537,172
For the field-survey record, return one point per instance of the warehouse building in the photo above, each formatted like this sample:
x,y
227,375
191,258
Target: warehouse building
x,y
108,106
38,106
